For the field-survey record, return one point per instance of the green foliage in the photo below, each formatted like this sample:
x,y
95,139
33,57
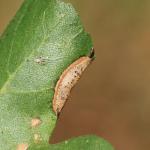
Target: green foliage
x,y
42,40
80,143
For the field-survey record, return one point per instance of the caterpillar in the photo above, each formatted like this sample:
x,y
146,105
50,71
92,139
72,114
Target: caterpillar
x,y
68,80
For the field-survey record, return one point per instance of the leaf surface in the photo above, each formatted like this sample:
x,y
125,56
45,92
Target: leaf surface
x,y
42,40
80,143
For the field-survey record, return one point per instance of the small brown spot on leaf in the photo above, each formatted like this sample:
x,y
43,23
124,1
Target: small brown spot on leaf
x,y
35,122
22,147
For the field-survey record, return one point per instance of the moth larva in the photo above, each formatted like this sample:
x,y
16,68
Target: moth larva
x,y
67,81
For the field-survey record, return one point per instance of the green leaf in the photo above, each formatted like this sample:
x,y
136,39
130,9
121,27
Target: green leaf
x,y
42,40
80,143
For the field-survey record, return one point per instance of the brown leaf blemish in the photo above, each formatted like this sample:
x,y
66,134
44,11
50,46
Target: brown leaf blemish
x,y
67,81
35,122
22,147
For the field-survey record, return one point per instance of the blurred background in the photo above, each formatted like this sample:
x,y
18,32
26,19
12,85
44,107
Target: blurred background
x,y
112,100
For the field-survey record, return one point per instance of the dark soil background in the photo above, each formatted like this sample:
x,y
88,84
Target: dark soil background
x,y
112,99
